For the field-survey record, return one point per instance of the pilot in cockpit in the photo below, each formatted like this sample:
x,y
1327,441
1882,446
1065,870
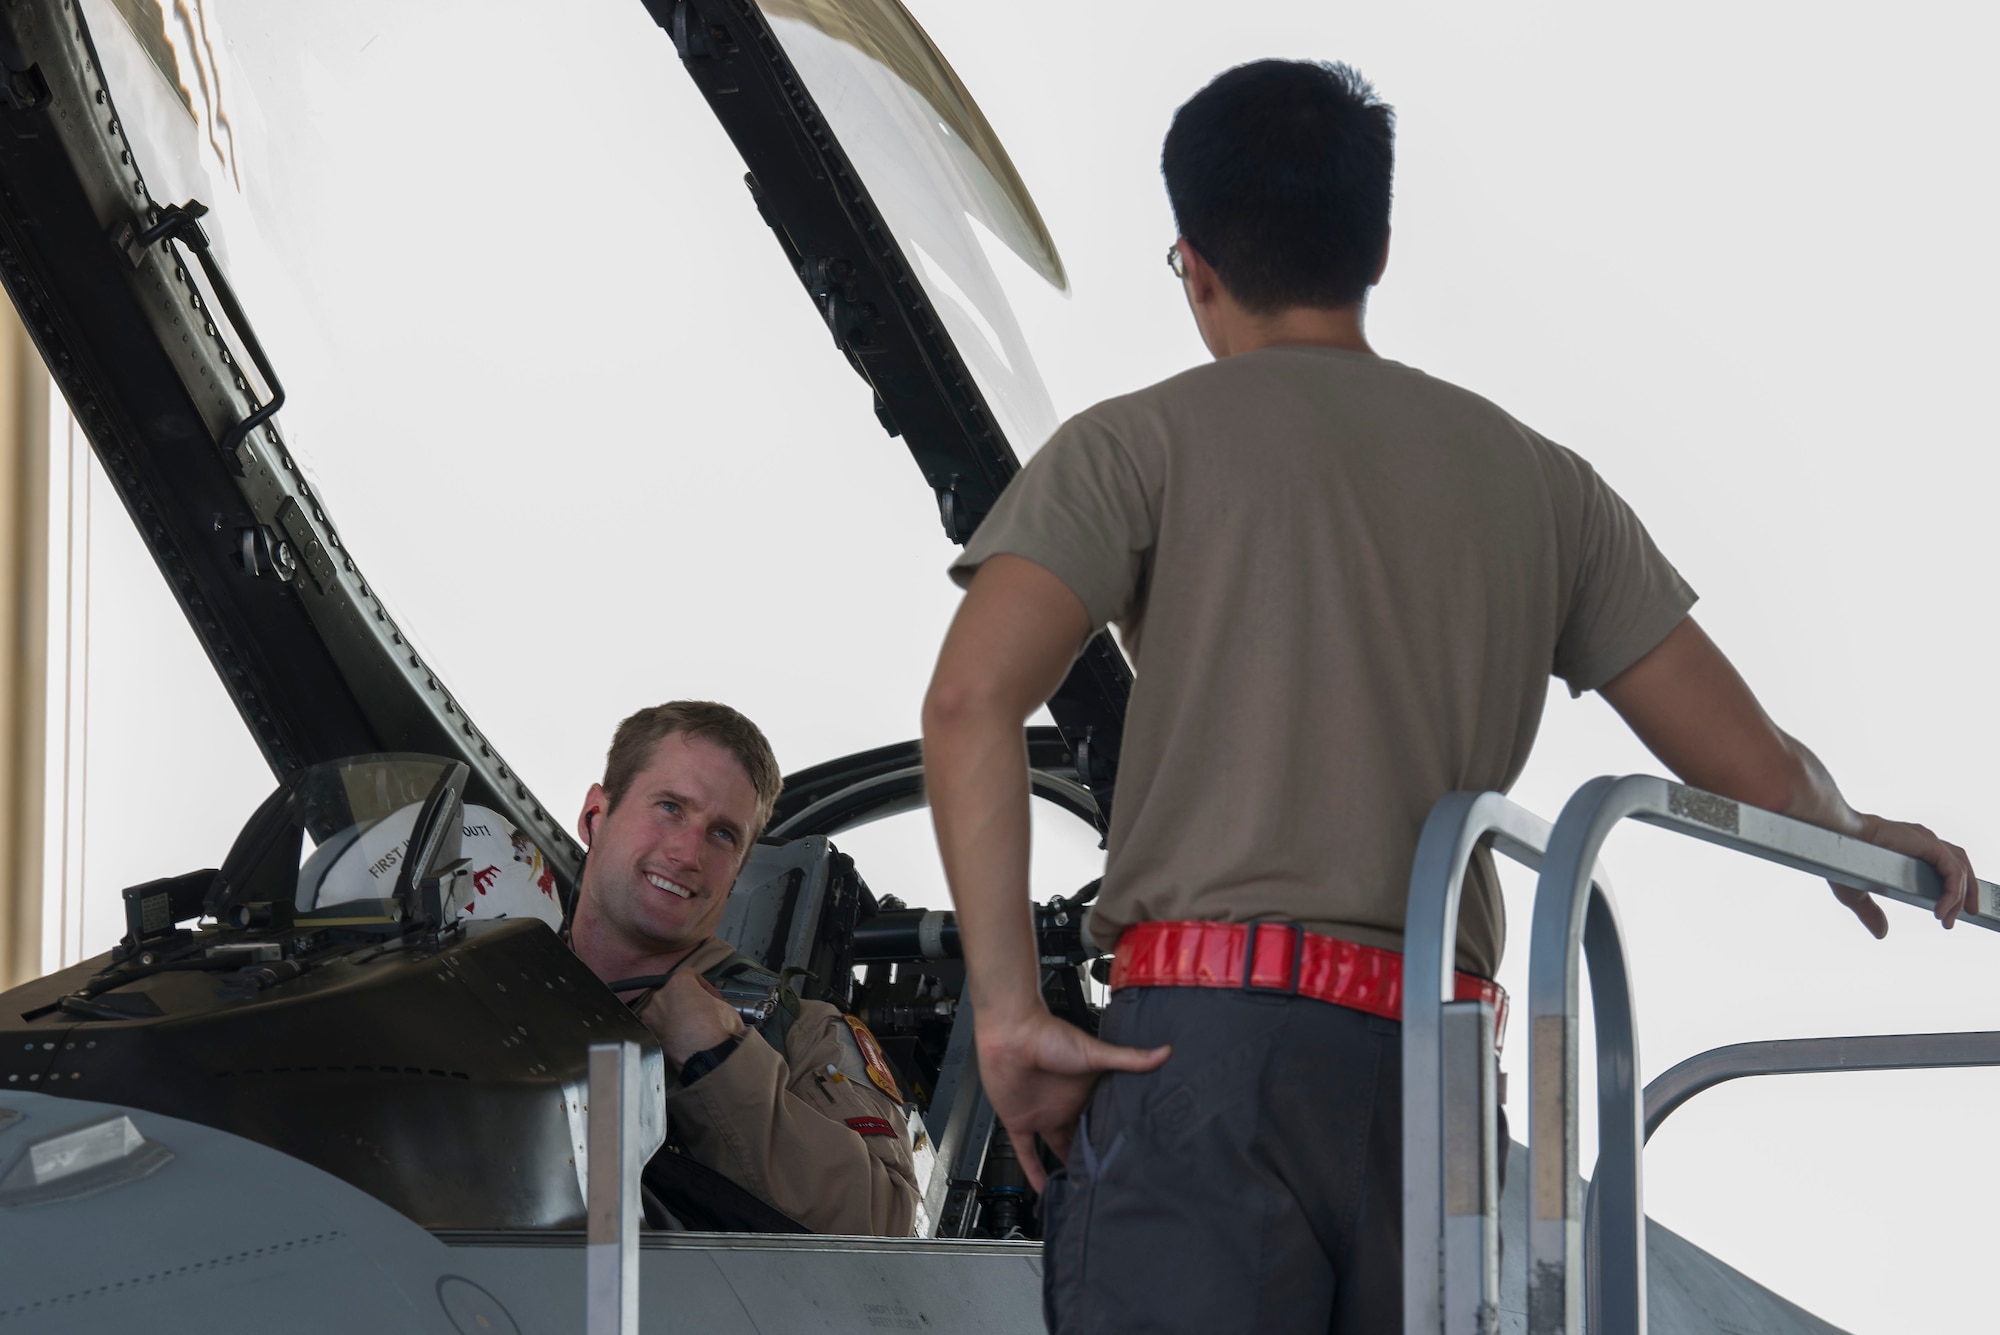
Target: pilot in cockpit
x,y
804,1113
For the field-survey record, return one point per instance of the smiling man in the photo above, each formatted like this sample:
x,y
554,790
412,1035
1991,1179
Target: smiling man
x,y
802,1113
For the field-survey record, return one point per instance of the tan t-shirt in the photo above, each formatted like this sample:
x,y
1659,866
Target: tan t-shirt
x,y
1344,586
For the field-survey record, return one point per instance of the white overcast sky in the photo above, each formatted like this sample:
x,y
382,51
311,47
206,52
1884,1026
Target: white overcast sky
x,y
580,426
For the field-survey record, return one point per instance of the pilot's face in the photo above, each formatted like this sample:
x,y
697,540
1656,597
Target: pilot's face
x,y
663,858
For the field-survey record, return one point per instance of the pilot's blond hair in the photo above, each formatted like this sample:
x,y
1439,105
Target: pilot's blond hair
x,y
632,746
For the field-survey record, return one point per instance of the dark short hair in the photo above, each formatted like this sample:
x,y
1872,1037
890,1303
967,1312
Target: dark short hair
x,y
632,746
1279,174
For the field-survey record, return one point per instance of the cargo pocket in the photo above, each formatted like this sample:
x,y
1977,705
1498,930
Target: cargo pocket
x,y
1066,1229
1063,1230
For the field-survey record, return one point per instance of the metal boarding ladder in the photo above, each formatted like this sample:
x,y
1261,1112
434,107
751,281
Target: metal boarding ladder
x,y
1451,1191
1451,1259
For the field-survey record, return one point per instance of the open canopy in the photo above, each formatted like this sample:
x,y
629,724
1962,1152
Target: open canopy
x,y
888,192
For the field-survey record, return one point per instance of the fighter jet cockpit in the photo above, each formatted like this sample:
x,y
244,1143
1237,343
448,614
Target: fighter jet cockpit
x,y
371,979
351,987
456,378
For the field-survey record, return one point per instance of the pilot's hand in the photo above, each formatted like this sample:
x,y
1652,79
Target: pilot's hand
x,y
1038,1073
1954,868
688,1016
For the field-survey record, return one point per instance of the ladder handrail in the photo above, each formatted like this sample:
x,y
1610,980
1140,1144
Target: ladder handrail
x,y
1575,920
1667,1091
1572,919
1456,826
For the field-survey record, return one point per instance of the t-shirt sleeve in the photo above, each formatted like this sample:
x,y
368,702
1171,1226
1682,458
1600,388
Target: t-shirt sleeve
x,y
1626,596
1080,510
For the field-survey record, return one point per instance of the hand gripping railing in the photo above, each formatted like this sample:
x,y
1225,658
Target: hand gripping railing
x,y
1451,1233
1571,918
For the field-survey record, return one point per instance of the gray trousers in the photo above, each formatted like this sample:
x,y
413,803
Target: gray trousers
x,y
1252,1183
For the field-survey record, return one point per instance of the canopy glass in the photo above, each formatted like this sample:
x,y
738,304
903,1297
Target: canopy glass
x,y
573,416
938,173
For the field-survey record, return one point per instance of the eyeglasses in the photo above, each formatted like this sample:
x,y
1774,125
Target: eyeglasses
x,y
1175,262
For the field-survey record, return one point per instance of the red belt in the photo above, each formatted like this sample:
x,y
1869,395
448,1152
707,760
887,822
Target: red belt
x,y
1286,959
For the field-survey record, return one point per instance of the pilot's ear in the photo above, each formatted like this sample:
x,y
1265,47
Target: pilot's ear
x,y
595,803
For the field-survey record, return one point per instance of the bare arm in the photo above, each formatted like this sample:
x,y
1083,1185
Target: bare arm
x,y
1008,649
1691,708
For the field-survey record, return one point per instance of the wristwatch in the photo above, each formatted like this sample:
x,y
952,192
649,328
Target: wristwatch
x,y
699,1065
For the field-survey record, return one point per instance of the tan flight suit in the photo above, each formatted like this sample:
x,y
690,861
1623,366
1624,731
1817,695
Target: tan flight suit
x,y
806,1131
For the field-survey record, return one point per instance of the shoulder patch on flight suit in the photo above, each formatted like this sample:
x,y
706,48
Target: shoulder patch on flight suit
x,y
872,1058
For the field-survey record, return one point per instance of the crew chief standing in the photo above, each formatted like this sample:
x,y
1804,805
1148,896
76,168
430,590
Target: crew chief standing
x,y
1344,585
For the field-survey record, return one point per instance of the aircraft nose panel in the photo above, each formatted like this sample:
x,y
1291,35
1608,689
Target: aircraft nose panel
x,y
439,1082
225,1235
